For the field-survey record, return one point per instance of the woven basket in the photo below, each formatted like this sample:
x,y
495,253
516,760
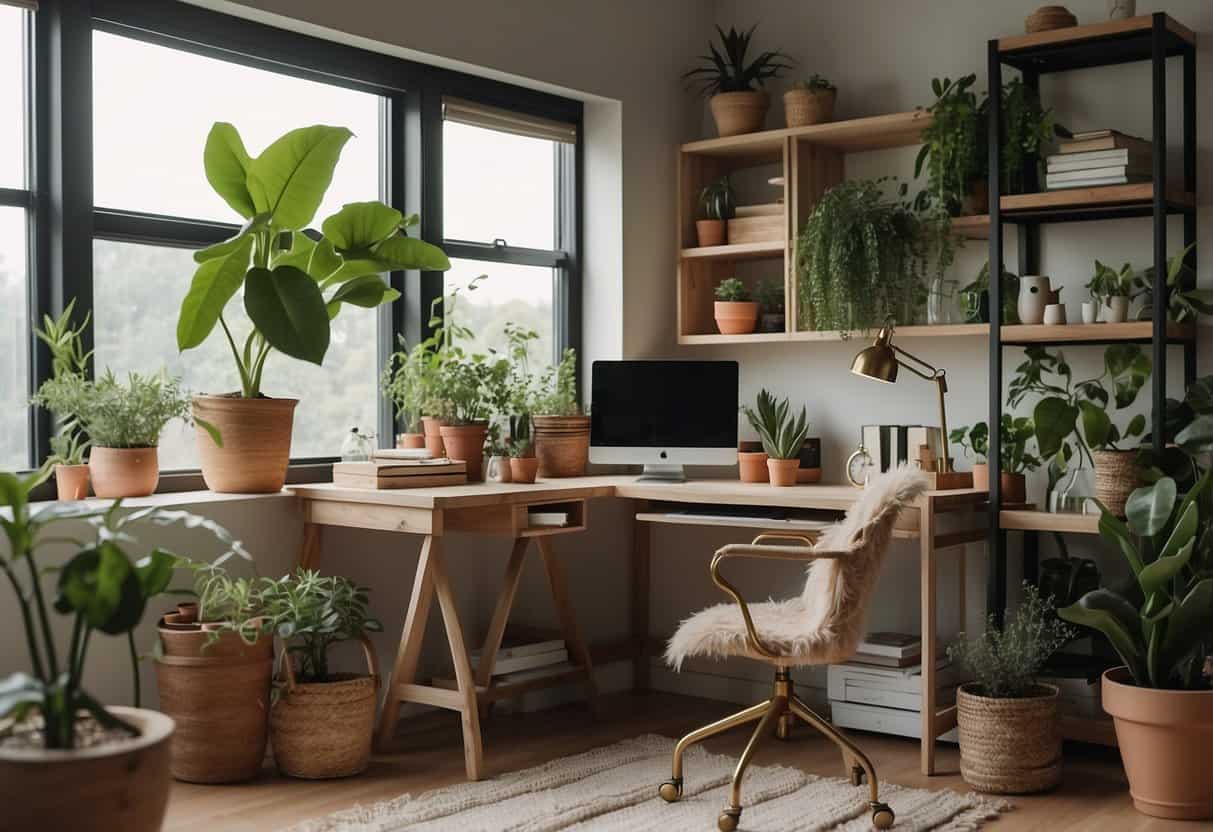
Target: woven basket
x,y
1116,477
321,730
562,444
739,112
802,107
1009,746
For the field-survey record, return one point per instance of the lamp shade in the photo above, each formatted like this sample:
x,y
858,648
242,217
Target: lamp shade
x,y
877,362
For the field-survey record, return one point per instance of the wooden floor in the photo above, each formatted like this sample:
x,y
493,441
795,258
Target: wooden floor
x,y
1093,797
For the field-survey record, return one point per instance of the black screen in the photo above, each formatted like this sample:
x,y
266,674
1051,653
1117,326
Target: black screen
x,y
664,404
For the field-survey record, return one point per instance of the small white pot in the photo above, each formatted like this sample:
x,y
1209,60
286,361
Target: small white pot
x,y
1055,314
1116,311
1090,312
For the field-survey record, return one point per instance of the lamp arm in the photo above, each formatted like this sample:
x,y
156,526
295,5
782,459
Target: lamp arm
x,y
933,372
940,378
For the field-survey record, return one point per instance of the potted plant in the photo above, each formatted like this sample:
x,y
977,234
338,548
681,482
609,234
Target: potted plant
x,y
464,386
523,464
64,756
123,422
1112,290
975,297
809,102
560,429
954,148
782,436
716,200
735,313
1186,301
292,284
404,383
69,443
1014,460
322,721
1008,722
770,303
729,82
975,441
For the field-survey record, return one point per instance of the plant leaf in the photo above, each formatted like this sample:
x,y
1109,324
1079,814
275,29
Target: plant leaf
x,y
287,308
213,285
359,225
1055,419
1189,624
227,167
1096,425
367,292
1197,437
1149,508
289,179
402,253
155,571
1107,612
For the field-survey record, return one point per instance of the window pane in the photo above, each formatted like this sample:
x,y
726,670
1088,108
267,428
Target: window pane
x,y
153,107
137,289
498,186
511,294
12,97
14,341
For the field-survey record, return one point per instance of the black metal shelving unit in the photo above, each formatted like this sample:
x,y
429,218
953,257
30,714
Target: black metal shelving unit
x,y
1155,39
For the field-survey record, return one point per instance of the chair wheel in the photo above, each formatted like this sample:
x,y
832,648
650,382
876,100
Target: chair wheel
x,y
882,816
728,820
858,776
671,790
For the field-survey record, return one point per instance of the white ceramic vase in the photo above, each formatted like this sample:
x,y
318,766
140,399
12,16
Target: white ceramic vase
x,y
1116,311
1033,298
1055,314
1090,312
1121,9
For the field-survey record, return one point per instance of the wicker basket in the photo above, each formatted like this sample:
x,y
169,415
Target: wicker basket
x,y
562,445
802,107
1009,746
324,729
739,112
1116,477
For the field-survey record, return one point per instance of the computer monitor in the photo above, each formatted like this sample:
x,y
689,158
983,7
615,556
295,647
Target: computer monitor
x,y
663,415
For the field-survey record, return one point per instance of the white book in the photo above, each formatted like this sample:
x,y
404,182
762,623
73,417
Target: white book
x,y
548,518
1097,159
537,673
514,664
517,650
910,672
842,677
881,720
1093,183
1091,173
896,645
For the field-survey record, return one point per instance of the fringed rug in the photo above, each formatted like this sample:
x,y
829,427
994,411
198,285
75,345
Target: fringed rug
x,y
614,789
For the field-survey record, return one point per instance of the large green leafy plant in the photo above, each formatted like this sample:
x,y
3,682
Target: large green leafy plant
x,y
1015,432
1185,302
294,283
726,69
954,143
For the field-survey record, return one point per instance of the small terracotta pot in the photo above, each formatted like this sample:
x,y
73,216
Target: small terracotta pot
x,y
981,476
523,469
802,107
410,440
1164,738
123,472
735,317
256,436
752,466
739,112
710,232
466,443
1014,487
783,471
71,481
188,610
433,435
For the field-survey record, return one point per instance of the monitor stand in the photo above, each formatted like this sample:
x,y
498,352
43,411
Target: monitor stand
x,y
662,473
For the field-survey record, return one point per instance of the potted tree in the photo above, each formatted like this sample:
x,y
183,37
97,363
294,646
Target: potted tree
x,y
728,81
782,436
293,285
771,304
735,312
809,102
64,755
322,721
1112,291
69,443
716,199
560,429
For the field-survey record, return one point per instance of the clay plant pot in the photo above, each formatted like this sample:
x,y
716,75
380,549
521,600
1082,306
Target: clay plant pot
x,y
116,787
123,472
410,440
466,443
981,476
1009,746
739,112
1116,477
782,472
256,436
217,689
752,466
432,436
1164,738
523,468
1014,487
802,107
71,482
735,317
562,444
710,232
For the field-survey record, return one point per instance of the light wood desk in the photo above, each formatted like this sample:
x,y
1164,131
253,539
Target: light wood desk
x,y
501,510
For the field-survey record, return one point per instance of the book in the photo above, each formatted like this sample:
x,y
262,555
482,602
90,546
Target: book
x,y
547,518
912,671
1096,159
401,468
1103,140
895,645
888,661
420,454
386,483
918,435
1094,183
504,666
1093,173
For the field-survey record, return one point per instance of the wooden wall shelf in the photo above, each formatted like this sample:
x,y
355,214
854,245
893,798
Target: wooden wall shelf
x,y
851,136
1095,44
736,251
1092,333
1043,521
1091,203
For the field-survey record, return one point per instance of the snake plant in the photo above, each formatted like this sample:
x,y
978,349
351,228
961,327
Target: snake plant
x,y
782,435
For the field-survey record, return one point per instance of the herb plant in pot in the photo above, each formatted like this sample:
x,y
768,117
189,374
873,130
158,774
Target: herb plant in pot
x,y
729,82
782,436
322,721
560,429
523,463
69,443
294,284
1008,723
404,383
809,102
716,199
735,312
463,386
1112,290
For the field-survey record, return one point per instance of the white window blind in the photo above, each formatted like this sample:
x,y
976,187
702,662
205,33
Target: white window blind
x,y
507,121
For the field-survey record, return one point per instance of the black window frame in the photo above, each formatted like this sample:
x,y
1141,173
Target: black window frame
x,y
65,221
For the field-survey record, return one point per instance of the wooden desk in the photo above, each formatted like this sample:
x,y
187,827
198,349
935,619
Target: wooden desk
x,y
498,509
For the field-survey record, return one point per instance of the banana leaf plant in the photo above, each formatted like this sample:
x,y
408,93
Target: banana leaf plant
x,y
294,281
782,434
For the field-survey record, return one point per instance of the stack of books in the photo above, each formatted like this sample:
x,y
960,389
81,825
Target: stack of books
x,y
899,650
521,663
887,700
891,445
1099,157
399,473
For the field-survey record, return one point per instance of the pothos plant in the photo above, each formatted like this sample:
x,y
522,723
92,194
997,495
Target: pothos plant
x,y
294,283
1185,302
954,143
1107,283
1015,432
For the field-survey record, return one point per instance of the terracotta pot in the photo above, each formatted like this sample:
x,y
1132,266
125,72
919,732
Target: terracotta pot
x,y
749,446
466,443
981,476
562,444
523,469
432,428
739,112
1164,738
217,690
256,436
123,472
410,440
1009,746
807,475
802,107
1116,477
735,317
752,466
71,481
710,232
188,611
1014,487
783,471
120,787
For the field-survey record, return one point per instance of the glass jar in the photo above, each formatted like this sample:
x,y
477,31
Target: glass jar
x,y
942,301
357,446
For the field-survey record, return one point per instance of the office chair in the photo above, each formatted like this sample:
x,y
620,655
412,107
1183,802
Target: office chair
x,y
822,625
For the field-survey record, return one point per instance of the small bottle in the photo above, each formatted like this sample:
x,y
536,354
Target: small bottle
x,y
356,448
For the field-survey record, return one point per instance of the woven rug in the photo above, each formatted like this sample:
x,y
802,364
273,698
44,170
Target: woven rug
x,y
614,789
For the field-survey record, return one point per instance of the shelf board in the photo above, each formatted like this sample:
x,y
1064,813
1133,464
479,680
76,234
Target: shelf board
x,y
1043,521
717,338
736,251
1096,44
1014,334
1104,202
851,136
975,227
937,331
